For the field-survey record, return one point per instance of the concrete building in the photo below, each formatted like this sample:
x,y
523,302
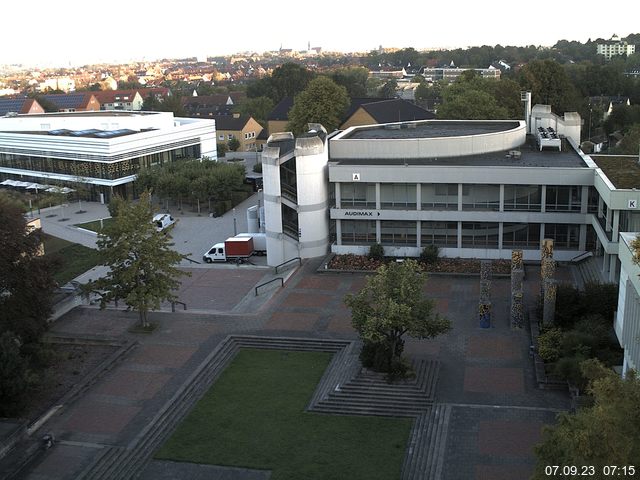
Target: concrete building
x,y
614,47
241,127
102,150
452,73
627,318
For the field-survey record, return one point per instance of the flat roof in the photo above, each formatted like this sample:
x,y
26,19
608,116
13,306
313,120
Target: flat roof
x,y
530,156
430,129
88,133
622,170
91,113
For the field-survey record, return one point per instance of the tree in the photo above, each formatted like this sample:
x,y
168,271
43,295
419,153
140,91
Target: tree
x,y
550,85
26,280
142,264
392,304
14,375
470,105
608,433
388,90
234,144
258,108
321,102
354,79
287,80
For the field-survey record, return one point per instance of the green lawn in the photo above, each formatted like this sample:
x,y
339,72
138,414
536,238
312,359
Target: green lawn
x,y
95,225
73,259
254,417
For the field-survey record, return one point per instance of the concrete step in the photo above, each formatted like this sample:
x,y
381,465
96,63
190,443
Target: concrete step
x,y
342,409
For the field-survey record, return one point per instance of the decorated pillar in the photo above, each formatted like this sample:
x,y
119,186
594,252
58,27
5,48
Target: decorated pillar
x,y
484,306
517,292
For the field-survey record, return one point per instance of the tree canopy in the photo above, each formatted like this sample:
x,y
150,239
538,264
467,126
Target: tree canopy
x,y
392,304
550,85
287,80
608,433
142,264
354,79
323,101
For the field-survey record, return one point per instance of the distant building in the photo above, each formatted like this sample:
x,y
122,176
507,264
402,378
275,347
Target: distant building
x,y
614,47
129,100
19,105
608,103
452,73
244,128
109,83
102,150
65,84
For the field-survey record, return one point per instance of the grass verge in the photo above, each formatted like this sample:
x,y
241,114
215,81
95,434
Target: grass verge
x,y
94,226
73,259
254,417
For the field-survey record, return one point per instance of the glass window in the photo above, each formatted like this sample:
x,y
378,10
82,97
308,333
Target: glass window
x,y
562,198
592,205
522,198
400,196
398,233
565,237
439,196
358,195
442,234
521,235
479,235
358,232
481,197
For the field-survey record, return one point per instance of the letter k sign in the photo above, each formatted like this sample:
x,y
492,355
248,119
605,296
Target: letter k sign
x,y
633,204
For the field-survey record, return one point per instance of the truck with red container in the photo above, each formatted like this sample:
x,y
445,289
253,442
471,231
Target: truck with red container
x,y
237,249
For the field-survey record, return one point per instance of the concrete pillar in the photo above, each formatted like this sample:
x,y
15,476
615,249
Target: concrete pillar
x,y
607,222
582,243
418,196
543,201
338,196
459,197
484,306
378,197
517,310
501,206
605,263
378,232
600,206
584,199
616,225
338,232
613,269
549,302
459,234
500,233
418,236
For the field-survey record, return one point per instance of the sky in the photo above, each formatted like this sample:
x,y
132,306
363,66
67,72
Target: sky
x,y
74,32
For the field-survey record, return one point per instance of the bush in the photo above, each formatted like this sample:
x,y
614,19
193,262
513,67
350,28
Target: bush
x,y
234,144
573,304
549,344
430,254
15,378
568,368
257,168
222,149
376,252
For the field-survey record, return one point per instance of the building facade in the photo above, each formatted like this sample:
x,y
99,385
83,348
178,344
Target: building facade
x,y
101,150
614,47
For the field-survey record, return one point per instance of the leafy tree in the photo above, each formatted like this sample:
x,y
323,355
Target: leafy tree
x,y
429,95
14,375
234,144
151,104
388,90
354,79
258,108
550,85
608,433
142,265
287,80
470,104
26,280
392,304
630,143
321,102
222,149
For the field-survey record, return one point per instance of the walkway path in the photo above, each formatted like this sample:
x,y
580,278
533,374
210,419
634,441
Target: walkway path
x,y
492,411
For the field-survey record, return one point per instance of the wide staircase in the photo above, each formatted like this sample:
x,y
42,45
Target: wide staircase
x,y
588,271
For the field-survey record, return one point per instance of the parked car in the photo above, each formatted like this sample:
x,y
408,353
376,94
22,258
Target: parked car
x,y
163,221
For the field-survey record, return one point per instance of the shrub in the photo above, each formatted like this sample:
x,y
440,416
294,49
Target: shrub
x,y
15,378
568,368
573,304
376,252
430,254
222,149
257,168
549,344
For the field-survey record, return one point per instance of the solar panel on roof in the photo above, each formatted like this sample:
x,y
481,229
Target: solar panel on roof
x,y
11,105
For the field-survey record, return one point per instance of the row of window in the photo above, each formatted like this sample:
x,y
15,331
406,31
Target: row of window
x,y
473,234
444,196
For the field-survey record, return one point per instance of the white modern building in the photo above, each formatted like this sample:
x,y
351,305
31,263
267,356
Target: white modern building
x,y
614,47
627,319
103,150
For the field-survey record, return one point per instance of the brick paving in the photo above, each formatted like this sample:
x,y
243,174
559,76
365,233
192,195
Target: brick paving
x,y
488,368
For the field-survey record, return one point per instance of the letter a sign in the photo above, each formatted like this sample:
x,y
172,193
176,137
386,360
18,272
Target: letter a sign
x,y
356,177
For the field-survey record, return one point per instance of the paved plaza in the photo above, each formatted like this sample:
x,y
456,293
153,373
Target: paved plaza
x,y
486,375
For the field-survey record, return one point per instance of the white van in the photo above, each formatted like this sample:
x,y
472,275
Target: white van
x,y
163,221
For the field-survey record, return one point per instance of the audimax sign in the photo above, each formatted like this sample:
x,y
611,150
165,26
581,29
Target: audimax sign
x,y
361,213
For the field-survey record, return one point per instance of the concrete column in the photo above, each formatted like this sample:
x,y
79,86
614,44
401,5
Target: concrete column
x,y
605,263
584,203
582,244
500,232
541,234
338,232
549,302
501,206
338,196
600,204
613,269
418,196
543,202
418,237
459,197
378,197
378,232
608,221
616,225
459,234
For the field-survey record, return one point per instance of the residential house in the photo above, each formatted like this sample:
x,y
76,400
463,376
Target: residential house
x,y
19,105
242,127
607,103
129,100
74,102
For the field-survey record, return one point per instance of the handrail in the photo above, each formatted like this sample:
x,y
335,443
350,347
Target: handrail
x,y
577,258
288,261
173,305
270,281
